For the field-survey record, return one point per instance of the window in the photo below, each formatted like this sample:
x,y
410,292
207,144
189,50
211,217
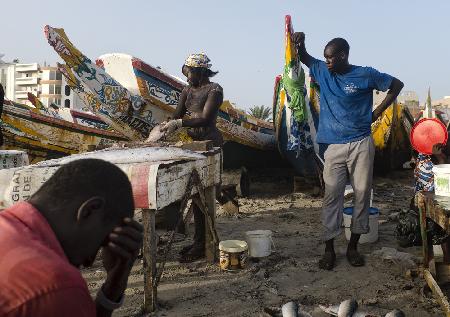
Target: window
x,y
67,90
52,75
58,75
56,101
67,103
54,89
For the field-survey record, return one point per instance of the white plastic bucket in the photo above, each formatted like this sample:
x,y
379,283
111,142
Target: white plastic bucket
x,y
372,235
259,243
442,180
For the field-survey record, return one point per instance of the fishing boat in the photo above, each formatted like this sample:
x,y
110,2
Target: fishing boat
x,y
390,132
46,134
136,96
246,137
293,118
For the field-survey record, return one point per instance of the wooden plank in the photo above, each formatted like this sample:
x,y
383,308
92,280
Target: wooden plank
x,y
210,246
437,292
173,179
150,249
437,211
198,145
423,229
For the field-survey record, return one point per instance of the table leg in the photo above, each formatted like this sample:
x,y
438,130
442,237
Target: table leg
x,y
423,230
150,249
210,246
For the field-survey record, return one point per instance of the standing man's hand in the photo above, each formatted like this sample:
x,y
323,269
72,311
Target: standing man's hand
x,y
119,255
299,38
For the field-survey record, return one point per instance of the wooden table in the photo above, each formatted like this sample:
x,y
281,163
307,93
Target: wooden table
x,y
172,181
438,210
159,176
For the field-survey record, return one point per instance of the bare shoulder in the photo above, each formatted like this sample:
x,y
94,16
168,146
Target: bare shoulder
x,y
215,87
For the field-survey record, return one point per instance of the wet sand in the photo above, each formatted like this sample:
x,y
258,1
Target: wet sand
x,y
291,272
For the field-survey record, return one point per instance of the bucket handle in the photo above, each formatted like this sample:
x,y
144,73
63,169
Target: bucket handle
x,y
273,244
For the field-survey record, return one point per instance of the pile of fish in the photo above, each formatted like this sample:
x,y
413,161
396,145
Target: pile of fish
x,y
348,308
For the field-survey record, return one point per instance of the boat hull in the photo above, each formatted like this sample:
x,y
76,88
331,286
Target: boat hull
x,y
46,137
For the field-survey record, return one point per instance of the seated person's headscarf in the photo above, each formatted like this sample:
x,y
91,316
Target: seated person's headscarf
x,y
198,60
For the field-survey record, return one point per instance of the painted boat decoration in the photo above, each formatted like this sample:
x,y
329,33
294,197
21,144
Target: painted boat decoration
x,y
124,111
294,124
156,94
46,136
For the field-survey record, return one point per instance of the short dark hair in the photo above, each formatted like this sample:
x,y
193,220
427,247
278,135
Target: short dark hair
x,y
340,44
85,178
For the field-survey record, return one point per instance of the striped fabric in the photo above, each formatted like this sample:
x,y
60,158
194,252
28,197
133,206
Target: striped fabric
x,y
423,174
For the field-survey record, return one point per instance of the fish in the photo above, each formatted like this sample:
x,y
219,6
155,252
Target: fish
x,y
395,313
289,309
347,308
156,134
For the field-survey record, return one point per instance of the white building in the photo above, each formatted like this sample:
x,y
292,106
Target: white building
x,y
70,99
46,83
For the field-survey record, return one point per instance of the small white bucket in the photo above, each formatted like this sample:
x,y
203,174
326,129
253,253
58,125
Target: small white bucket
x,y
233,255
372,235
442,180
259,243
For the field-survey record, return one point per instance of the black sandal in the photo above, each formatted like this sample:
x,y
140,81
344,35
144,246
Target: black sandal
x,y
355,258
327,261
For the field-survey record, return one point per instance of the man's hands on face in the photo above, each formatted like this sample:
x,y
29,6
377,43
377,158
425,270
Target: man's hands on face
x,y
119,254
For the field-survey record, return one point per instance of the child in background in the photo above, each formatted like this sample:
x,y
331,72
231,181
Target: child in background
x,y
408,229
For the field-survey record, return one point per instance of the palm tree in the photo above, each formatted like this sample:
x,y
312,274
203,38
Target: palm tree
x,y
261,112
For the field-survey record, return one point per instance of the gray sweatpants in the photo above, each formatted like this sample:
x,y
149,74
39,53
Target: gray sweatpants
x,y
352,161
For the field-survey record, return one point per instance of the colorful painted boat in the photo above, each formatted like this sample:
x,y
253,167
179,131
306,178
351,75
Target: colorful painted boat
x,y
46,136
246,137
294,124
136,96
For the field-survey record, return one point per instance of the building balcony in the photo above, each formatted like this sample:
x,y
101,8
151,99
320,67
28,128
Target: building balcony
x,y
26,81
50,82
34,67
21,94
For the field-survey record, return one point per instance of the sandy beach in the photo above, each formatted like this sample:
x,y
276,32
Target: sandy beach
x,y
291,271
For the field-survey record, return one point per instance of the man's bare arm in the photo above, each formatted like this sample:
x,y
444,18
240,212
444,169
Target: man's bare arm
x,y
394,91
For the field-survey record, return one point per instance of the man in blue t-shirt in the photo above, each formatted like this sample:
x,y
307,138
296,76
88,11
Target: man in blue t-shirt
x,y
346,97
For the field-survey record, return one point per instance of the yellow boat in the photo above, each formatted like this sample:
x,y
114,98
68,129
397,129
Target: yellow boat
x,y
46,136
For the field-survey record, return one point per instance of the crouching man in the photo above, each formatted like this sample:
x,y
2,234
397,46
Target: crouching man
x,y
86,205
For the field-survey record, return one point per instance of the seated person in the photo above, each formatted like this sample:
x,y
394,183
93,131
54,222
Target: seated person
x,y
408,229
86,205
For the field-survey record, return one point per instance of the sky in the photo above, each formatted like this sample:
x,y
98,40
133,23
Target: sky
x,y
244,39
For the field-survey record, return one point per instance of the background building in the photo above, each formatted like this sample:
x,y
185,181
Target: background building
x,y
46,83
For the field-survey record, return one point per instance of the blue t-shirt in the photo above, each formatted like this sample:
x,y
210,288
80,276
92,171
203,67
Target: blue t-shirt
x,y
346,101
